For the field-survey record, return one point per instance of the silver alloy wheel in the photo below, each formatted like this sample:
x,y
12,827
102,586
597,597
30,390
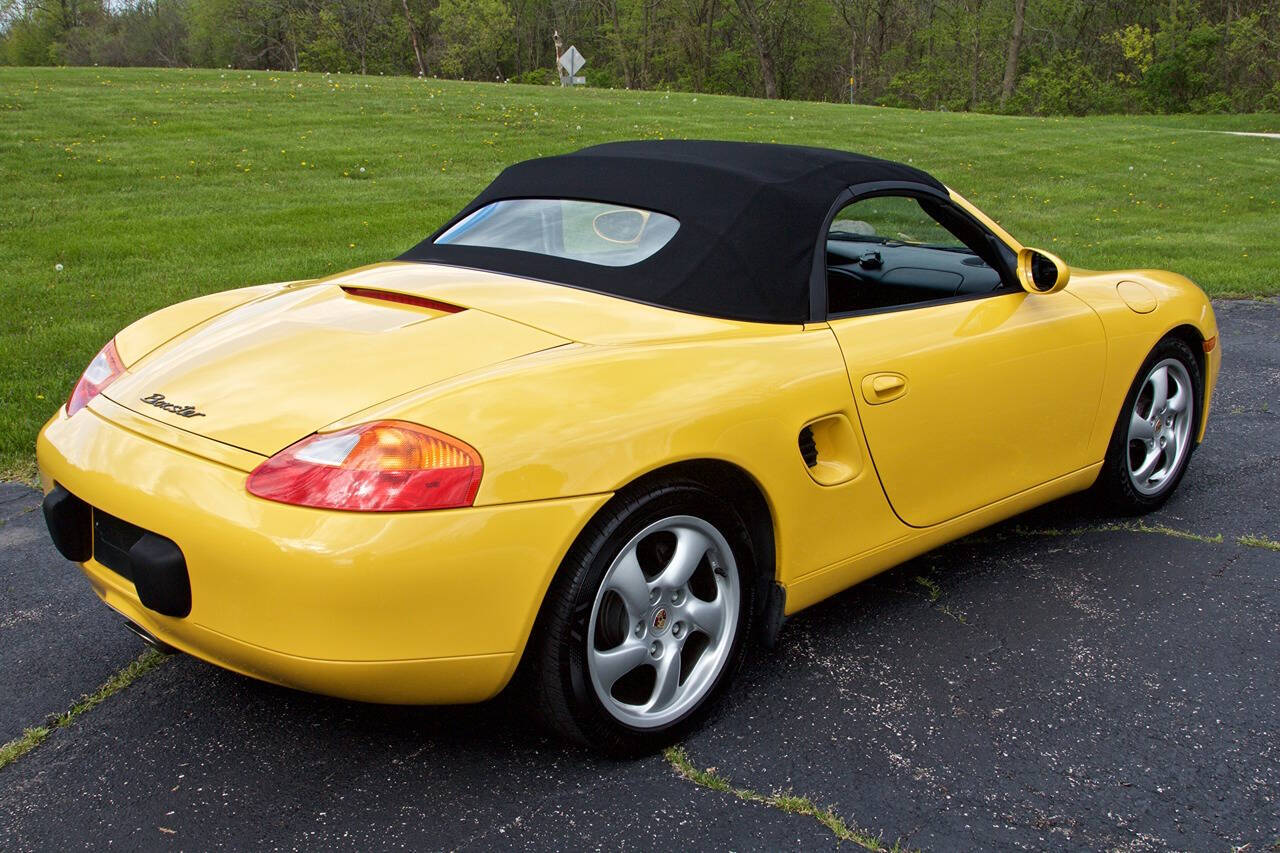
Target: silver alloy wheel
x,y
1160,426
654,611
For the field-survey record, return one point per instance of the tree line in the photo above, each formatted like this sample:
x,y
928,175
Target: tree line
x,y
1047,57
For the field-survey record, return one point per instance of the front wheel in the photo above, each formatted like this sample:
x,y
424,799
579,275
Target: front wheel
x,y
1156,432
646,621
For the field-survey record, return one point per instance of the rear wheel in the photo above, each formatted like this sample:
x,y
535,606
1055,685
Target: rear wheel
x,y
646,621
1155,435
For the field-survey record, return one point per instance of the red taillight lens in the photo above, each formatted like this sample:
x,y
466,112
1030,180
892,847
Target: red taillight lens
x,y
101,372
386,466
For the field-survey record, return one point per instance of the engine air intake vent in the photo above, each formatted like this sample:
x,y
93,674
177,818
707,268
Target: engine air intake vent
x,y
808,447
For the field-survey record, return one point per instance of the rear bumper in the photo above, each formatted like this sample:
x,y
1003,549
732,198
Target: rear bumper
x,y
430,607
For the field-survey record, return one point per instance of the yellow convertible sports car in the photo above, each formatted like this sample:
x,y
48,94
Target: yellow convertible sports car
x,y
630,407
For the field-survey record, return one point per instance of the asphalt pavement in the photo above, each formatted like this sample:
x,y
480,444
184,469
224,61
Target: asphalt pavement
x,y
1061,681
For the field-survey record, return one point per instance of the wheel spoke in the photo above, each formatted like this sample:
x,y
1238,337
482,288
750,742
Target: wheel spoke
x,y
708,616
668,680
1159,389
691,546
1178,401
614,663
1141,428
627,579
1148,466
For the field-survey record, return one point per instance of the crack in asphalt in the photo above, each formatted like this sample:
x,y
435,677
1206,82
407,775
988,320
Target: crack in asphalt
x,y
36,735
787,802
1222,570
1258,542
1022,532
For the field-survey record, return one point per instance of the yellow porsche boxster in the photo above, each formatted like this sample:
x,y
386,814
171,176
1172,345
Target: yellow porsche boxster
x,y
630,408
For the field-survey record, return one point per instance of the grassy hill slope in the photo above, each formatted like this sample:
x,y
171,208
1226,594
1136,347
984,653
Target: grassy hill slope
x,y
152,186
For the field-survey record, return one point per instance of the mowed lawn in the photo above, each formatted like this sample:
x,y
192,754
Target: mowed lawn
x,y
153,186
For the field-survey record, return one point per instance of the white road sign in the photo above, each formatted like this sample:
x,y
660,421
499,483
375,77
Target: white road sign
x,y
571,61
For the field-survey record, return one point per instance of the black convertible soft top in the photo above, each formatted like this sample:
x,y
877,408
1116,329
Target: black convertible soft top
x,y
751,217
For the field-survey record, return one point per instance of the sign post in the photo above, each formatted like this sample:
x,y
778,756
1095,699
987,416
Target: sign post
x,y
571,62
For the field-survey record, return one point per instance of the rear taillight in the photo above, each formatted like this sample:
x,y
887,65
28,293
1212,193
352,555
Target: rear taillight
x,y
101,372
385,466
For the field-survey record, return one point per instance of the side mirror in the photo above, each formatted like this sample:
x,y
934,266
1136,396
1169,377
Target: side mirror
x,y
1042,272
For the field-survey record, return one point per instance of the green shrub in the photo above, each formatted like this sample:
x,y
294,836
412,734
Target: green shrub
x,y
1064,85
602,78
1182,72
537,77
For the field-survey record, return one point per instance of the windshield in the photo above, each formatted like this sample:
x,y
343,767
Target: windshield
x,y
607,234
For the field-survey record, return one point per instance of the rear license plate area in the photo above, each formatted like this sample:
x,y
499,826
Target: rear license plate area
x,y
112,539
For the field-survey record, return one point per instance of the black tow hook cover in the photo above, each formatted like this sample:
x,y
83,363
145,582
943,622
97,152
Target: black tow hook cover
x,y
70,524
160,575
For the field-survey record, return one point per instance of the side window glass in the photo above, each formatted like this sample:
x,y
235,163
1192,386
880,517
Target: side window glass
x,y
889,251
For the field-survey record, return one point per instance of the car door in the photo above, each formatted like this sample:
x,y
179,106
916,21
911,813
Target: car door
x,y
969,389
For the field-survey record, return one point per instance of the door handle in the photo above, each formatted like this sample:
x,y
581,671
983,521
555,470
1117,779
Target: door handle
x,y
880,388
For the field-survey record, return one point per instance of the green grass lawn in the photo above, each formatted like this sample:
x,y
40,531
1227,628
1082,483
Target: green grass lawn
x,y
152,186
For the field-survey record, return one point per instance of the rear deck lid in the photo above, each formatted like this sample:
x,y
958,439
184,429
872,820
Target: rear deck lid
x,y
269,373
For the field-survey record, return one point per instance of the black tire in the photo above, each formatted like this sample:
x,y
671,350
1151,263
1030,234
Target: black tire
x,y
1115,484
555,676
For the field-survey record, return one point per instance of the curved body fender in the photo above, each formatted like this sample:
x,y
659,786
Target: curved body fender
x,y
1122,300
581,419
